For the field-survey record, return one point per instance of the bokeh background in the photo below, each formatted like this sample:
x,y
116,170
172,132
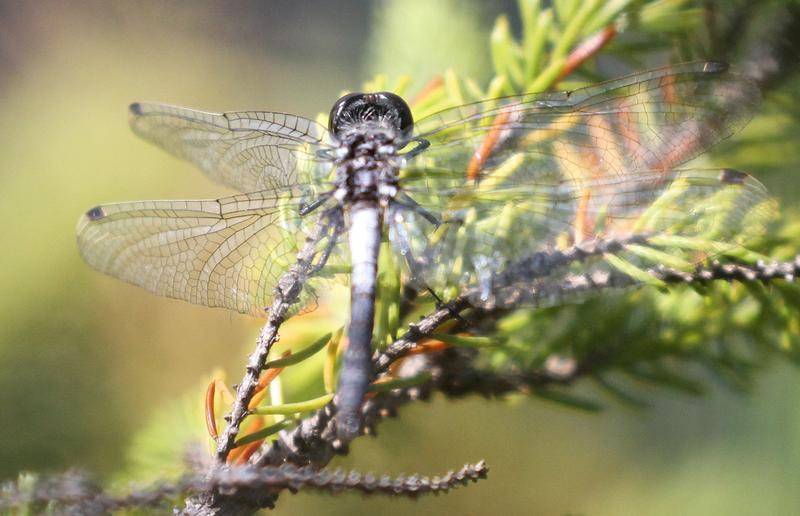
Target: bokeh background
x,y
87,362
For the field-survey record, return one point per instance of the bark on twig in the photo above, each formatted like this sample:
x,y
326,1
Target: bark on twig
x,y
286,294
73,493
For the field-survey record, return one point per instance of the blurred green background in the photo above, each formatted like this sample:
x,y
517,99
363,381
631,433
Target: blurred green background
x,y
86,361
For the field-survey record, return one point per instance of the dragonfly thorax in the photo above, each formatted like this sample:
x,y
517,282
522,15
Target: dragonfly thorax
x,y
370,129
368,170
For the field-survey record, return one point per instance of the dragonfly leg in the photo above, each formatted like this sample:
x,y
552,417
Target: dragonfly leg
x,y
333,225
412,205
305,209
403,243
422,144
414,265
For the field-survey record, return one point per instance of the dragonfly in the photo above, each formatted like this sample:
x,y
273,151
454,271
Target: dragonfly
x,y
458,196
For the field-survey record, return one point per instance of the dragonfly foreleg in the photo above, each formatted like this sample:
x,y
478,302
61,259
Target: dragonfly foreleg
x,y
422,144
305,209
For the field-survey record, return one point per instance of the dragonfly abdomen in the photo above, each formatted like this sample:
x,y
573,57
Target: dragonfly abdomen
x,y
365,238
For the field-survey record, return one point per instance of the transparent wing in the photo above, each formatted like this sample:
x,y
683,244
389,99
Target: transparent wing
x,y
249,150
682,215
540,172
654,120
227,252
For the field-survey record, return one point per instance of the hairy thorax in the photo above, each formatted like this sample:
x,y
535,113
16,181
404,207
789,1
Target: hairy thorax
x,y
367,166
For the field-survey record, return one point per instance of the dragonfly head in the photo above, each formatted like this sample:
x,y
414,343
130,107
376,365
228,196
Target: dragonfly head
x,y
383,112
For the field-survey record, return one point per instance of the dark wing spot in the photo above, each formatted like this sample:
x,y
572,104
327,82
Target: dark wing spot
x,y
715,66
732,177
135,109
96,213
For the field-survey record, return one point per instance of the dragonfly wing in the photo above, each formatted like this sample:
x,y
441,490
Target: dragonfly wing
x,y
648,121
533,173
684,216
227,252
249,151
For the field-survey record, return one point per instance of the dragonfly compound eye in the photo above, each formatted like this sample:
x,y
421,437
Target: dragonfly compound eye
x,y
382,110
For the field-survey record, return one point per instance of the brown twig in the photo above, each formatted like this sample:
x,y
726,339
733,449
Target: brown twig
x,y
286,294
73,493
417,331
